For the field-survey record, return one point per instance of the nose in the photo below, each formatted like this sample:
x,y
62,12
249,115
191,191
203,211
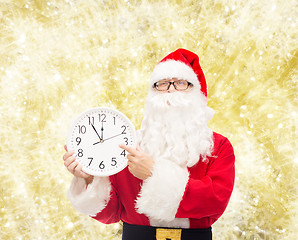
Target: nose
x,y
171,89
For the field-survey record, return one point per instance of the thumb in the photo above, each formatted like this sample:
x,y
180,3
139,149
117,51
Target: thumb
x,y
65,147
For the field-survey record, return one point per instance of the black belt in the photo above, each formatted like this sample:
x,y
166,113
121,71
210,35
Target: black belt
x,y
138,232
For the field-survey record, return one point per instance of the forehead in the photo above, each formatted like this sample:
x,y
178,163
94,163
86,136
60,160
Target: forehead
x,y
170,79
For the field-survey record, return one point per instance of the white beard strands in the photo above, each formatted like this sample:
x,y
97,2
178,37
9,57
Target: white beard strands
x,y
175,127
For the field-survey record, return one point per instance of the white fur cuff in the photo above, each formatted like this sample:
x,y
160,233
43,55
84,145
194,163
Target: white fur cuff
x,y
92,199
162,193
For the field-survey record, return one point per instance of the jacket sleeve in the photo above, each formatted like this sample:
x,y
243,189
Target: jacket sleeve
x,y
98,199
112,211
209,196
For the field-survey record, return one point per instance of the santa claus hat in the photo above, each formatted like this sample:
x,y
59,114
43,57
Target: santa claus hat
x,y
181,64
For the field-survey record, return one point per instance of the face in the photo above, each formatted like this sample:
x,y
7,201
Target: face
x,y
172,88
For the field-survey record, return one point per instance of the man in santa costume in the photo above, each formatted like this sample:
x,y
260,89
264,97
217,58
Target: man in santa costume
x,y
180,177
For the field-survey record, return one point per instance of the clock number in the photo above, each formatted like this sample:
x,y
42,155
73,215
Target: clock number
x,y
123,153
102,117
80,152
114,162
114,120
101,165
91,159
82,129
91,120
124,128
126,140
78,139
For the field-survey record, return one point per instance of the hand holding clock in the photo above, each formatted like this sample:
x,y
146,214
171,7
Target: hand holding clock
x,y
74,167
139,164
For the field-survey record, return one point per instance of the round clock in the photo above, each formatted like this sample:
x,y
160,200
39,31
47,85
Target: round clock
x,y
95,136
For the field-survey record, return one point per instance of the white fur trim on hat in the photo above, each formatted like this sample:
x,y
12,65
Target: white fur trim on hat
x,y
161,194
174,69
89,199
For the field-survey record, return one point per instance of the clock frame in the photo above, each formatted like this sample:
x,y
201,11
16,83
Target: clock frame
x,y
95,136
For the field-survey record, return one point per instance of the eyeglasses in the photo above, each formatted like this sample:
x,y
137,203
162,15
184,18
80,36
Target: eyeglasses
x,y
179,85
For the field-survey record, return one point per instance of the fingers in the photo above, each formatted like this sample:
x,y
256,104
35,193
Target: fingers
x,y
72,166
140,167
130,156
67,155
68,161
130,169
79,173
129,149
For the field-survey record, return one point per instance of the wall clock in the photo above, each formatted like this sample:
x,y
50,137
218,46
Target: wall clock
x,y
95,136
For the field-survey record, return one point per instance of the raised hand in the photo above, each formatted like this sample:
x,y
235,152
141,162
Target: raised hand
x,y
140,164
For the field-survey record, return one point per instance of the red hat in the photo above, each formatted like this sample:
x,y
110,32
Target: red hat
x,y
181,64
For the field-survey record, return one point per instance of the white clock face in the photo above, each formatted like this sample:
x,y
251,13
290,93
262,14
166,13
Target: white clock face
x,y
95,136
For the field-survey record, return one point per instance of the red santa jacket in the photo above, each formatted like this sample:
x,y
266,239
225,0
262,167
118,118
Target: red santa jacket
x,y
182,197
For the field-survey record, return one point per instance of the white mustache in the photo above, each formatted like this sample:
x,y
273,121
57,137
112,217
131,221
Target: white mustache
x,y
169,100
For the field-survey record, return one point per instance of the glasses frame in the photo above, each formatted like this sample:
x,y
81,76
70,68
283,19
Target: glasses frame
x,y
155,85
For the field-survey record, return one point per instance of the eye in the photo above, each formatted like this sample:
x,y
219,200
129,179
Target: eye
x,y
181,82
162,84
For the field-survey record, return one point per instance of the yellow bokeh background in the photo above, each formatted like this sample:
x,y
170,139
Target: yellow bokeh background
x,y
61,57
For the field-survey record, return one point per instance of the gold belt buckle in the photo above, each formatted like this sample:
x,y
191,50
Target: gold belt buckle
x,y
165,234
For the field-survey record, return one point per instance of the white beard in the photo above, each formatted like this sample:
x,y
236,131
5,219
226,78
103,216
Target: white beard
x,y
175,127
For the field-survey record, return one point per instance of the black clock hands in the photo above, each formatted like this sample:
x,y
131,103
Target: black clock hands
x,y
101,141
102,131
100,138
113,136
97,134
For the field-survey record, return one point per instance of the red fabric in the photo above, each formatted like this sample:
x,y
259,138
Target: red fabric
x,y
205,198
209,187
191,60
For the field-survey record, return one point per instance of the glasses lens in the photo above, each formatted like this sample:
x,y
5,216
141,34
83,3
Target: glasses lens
x,y
161,85
165,85
181,84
